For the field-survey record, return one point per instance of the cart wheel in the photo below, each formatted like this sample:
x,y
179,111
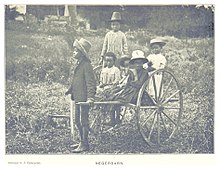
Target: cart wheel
x,y
159,107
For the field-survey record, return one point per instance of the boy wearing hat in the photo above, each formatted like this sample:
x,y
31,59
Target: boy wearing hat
x,y
115,41
82,89
156,58
156,61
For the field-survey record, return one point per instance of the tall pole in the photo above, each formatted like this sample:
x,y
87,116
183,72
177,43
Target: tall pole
x,y
73,13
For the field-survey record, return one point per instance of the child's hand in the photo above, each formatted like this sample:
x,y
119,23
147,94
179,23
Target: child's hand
x,y
67,92
145,66
115,84
102,86
149,63
101,60
91,102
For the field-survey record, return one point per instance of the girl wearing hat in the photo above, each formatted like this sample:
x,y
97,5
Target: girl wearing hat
x,y
115,41
82,89
156,61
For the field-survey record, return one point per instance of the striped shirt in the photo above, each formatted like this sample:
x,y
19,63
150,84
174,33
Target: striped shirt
x,y
110,76
115,42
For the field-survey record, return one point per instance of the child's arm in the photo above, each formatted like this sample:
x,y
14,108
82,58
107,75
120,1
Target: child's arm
x,y
138,83
124,45
69,91
105,45
163,63
117,76
90,82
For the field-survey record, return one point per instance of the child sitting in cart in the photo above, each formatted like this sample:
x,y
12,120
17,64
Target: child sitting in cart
x,y
129,93
110,75
156,61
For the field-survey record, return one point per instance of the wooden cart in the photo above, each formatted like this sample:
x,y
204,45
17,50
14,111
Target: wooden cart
x,y
157,123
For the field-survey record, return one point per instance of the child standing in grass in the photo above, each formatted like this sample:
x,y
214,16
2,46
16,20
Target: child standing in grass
x,y
82,89
115,41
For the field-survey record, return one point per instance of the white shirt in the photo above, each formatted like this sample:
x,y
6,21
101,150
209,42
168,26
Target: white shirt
x,y
110,76
115,42
158,60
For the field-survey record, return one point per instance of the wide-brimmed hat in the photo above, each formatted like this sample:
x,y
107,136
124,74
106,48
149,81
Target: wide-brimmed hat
x,y
116,17
122,60
158,41
83,45
138,55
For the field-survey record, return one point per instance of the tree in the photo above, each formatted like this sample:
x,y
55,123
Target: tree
x,y
10,13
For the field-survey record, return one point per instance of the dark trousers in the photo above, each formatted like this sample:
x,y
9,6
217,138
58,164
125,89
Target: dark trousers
x,y
82,116
82,121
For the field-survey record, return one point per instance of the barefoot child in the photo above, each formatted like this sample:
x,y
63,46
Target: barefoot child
x,y
115,40
82,89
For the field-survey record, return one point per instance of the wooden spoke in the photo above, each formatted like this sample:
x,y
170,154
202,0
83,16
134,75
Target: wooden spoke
x,y
158,128
95,120
148,107
171,96
149,117
151,98
166,91
169,118
164,125
161,84
152,126
155,87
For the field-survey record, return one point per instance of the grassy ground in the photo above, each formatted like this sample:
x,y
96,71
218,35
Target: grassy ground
x,y
37,70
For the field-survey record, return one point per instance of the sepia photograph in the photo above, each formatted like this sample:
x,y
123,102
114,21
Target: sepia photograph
x,y
109,79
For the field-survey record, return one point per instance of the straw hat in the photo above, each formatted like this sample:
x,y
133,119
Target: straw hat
x,y
138,55
157,41
116,16
122,60
83,45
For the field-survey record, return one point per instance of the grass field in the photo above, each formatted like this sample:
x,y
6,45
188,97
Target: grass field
x,y
37,71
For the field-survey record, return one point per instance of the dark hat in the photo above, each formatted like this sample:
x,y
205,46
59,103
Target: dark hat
x,y
122,60
83,45
138,55
116,17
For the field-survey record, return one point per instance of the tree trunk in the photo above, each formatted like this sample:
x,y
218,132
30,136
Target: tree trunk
x,y
73,13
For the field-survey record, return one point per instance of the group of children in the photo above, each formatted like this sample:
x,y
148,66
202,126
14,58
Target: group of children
x,y
120,80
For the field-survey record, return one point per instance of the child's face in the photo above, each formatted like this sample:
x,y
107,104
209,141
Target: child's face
x,y
126,63
115,26
77,54
138,64
155,49
109,61
126,66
